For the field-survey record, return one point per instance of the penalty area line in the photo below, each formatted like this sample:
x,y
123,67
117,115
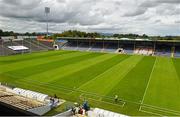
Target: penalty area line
x,y
144,108
119,105
141,110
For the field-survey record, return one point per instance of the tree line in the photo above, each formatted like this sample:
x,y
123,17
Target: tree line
x,y
11,33
76,33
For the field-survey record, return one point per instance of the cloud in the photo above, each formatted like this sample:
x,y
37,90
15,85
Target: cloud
x,y
116,16
177,21
136,12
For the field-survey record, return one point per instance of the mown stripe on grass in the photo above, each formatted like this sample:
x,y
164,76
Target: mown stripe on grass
x,y
42,79
28,71
164,87
132,86
78,78
176,63
58,73
111,77
18,58
39,88
145,91
33,62
63,88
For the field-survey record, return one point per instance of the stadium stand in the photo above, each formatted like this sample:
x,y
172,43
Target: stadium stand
x,y
61,43
110,47
5,51
43,44
30,94
27,100
70,46
144,51
128,50
83,46
18,101
96,47
8,43
33,46
163,50
177,51
129,46
4,48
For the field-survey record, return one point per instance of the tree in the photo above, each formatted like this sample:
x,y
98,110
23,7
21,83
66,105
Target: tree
x,y
1,32
144,36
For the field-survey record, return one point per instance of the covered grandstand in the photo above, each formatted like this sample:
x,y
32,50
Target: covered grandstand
x,y
169,48
25,44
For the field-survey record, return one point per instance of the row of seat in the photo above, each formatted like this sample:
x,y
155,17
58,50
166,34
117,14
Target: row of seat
x,y
144,51
22,106
18,101
30,94
112,49
33,45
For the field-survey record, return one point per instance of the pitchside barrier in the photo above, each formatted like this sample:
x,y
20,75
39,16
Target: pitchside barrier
x,y
104,100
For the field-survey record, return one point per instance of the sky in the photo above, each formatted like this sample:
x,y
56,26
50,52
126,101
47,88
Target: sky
x,y
151,17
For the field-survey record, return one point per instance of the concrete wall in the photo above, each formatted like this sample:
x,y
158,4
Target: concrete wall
x,y
40,110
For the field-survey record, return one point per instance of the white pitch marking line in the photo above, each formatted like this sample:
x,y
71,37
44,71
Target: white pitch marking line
x,y
170,112
150,112
160,108
149,81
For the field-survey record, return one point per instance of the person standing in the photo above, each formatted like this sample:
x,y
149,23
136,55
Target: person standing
x,y
116,98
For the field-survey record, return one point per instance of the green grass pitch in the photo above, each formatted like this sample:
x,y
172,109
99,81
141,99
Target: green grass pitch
x,y
145,85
